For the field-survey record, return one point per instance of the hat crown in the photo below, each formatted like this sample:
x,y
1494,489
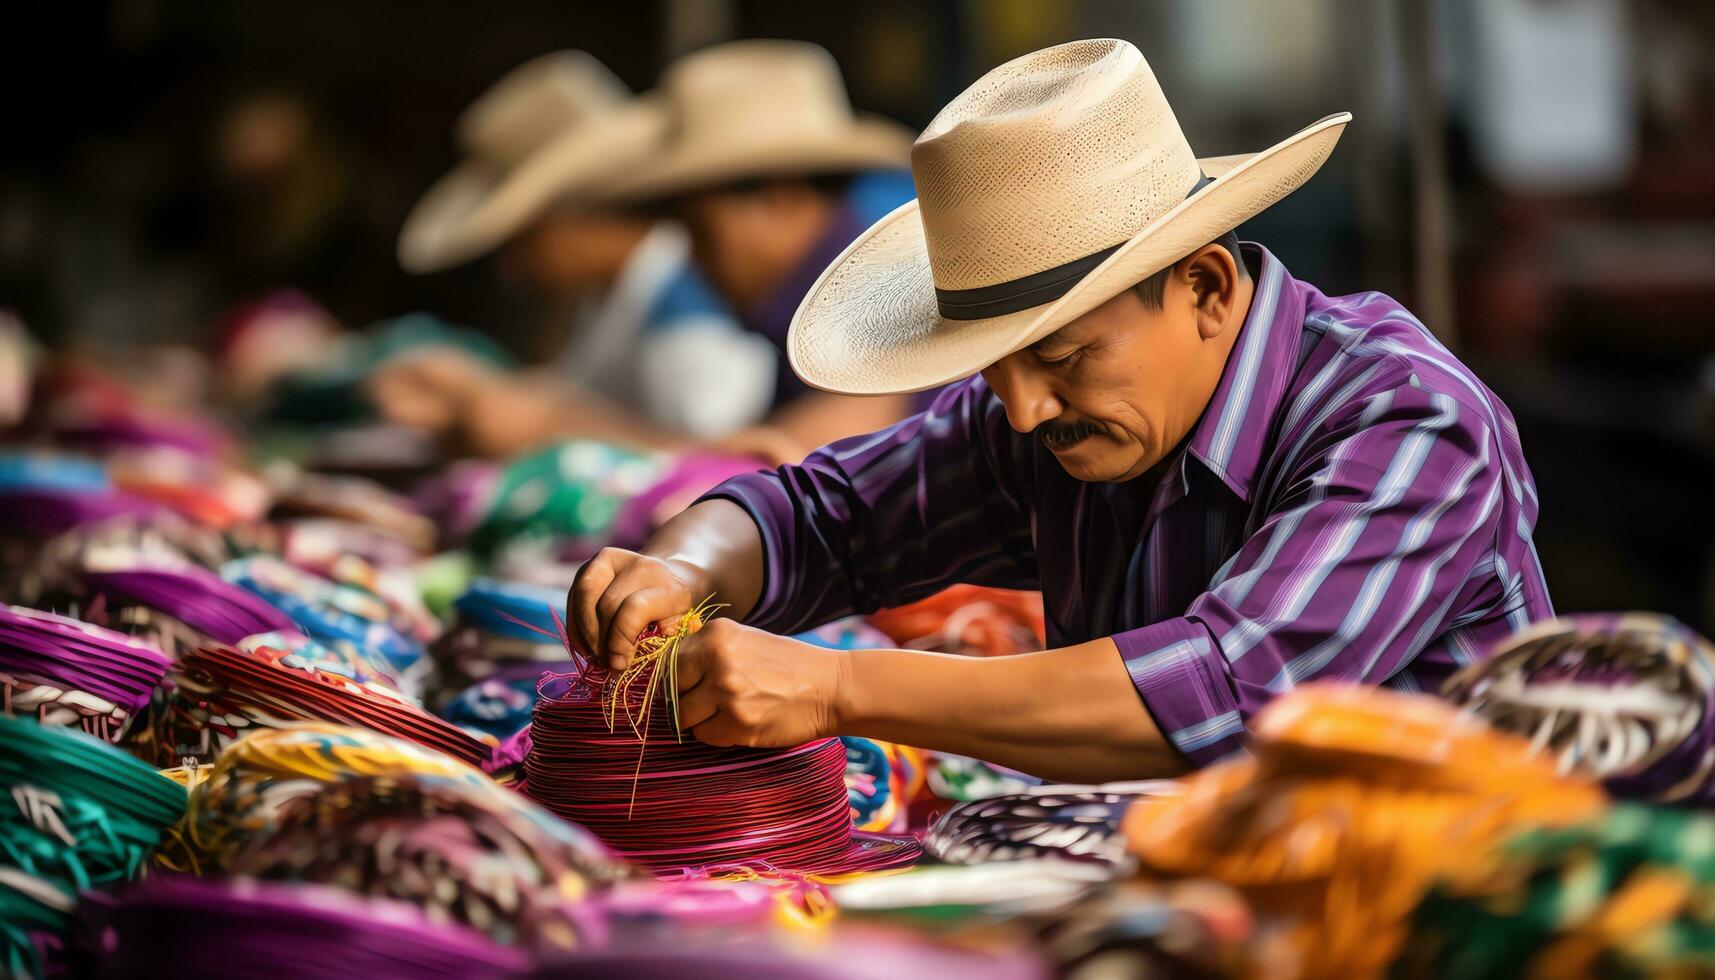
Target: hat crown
x,y
1045,160
537,101
763,87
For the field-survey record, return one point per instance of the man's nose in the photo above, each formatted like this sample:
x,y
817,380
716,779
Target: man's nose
x,y
1025,393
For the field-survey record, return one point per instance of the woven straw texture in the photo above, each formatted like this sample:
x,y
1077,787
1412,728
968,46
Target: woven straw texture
x,y
1049,158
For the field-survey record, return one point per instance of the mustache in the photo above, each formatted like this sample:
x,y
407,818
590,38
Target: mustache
x,y
1058,435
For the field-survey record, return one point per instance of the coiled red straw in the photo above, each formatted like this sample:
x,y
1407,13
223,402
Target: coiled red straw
x,y
669,804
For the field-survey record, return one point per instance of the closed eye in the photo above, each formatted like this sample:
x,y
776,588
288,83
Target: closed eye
x,y
1058,357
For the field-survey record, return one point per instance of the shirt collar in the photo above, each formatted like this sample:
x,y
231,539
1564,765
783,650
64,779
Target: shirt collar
x,y
1233,433
773,316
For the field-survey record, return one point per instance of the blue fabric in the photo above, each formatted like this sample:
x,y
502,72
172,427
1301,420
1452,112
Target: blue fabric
x,y
864,757
685,298
874,195
499,706
32,471
488,603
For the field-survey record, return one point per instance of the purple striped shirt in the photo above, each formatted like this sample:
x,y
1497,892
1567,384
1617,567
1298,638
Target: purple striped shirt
x,y
1352,504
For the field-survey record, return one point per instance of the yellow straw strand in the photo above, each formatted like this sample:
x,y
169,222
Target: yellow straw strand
x,y
656,661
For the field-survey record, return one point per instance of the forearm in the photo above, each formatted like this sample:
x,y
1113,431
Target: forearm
x,y
718,545
586,415
818,418
1069,714
504,415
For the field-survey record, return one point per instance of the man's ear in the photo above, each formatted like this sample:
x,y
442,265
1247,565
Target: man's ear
x,y
1212,279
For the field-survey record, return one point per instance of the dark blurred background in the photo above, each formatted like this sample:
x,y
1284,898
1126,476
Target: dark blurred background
x,y
1533,177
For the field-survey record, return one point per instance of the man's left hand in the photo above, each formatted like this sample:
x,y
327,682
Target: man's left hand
x,y
743,686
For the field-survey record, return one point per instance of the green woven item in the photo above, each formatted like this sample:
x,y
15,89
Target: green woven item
x,y
569,490
76,814
1629,895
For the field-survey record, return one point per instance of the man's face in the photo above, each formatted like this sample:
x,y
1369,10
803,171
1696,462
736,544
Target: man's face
x,y
1115,391
569,253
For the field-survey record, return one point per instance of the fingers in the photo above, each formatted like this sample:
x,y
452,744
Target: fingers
x,y
717,730
633,614
588,588
697,709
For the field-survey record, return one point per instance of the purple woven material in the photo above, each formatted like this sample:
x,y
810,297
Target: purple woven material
x,y
1569,683
200,599
510,752
175,925
136,432
47,513
47,648
689,478
881,956
459,498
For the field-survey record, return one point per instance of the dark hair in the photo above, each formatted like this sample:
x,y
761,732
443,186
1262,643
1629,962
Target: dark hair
x,y
1153,291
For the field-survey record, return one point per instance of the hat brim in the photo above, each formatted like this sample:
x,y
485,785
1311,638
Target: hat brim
x,y
478,206
871,326
869,143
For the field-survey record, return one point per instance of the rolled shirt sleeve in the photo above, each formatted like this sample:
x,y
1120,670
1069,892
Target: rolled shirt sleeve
x,y
892,517
1356,569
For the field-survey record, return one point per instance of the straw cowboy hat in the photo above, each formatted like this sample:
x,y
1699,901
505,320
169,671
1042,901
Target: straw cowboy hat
x,y
761,109
1053,184
556,129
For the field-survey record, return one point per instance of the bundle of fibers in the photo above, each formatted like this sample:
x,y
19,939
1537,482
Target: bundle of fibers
x,y
463,851
238,929
223,692
606,752
1068,823
239,795
1354,802
59,671
82,815
333,613
1626,895
178,606
1625,698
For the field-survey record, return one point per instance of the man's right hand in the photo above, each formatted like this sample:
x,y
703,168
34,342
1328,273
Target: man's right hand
x,y
618,594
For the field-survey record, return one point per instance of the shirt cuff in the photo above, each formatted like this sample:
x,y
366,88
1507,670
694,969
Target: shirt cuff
x,y
1181,676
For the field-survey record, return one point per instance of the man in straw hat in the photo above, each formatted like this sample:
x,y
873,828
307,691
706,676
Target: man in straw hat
x,y
544,145
775,174
1224,481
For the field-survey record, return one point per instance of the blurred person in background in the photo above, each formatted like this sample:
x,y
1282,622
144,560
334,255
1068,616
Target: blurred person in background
x,y
543,144
775,174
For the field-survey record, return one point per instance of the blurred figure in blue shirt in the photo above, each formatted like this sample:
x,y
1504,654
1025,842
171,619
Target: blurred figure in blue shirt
x,y
774,175
543,145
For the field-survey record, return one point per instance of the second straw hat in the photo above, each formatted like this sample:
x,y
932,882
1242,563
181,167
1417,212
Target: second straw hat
x,y
558,128
761,108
